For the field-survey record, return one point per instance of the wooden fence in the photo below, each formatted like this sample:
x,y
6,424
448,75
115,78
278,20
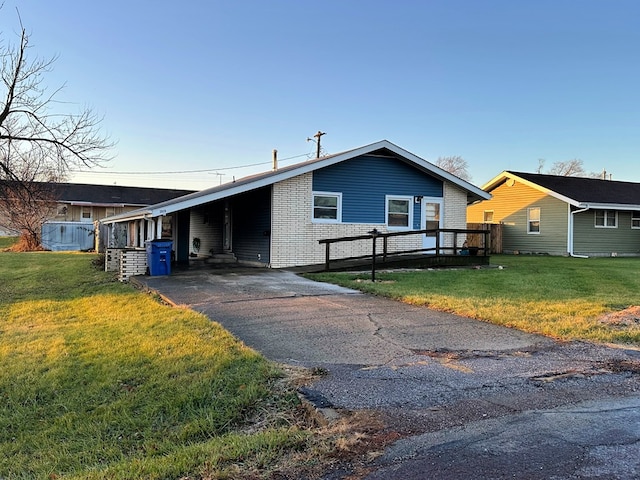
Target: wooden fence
x,y
478,240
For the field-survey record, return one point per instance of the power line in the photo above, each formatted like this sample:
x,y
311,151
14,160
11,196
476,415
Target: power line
x,y
186,171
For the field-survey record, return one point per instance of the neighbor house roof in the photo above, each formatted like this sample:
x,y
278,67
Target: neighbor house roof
x,y
384,148
580,192
112,195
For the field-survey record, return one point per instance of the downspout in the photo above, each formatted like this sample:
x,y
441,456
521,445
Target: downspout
x,y
570,232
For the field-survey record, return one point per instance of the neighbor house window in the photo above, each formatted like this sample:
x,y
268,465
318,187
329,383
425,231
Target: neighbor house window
x,y
399,212
85,214
533,220
635,219
606,219
327,207
488,216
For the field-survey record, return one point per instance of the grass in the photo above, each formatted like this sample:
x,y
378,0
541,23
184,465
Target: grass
x,y
6,242
101,381
555,296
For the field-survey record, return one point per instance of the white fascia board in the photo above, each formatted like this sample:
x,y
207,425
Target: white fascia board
x,y
310,166
610,206
495,181
126,217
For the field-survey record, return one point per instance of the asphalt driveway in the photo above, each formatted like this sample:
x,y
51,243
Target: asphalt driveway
x,y
471,399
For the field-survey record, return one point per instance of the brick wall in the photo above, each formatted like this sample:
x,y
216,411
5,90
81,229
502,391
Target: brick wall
x,y
455,213
295,237
126,261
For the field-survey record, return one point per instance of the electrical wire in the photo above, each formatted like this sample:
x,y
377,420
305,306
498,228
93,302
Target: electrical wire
x,y
175,172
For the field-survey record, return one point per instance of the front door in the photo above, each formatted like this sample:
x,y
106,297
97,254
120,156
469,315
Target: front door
x,y
431,219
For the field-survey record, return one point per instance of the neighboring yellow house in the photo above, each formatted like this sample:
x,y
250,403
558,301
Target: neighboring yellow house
x,y
559,215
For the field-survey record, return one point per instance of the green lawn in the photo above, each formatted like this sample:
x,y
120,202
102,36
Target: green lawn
x,y
101,381
6,242
556,296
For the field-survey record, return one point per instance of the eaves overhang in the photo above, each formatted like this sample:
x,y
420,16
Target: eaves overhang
x,y
609,206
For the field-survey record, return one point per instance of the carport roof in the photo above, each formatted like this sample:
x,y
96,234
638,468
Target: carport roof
x,y
383,148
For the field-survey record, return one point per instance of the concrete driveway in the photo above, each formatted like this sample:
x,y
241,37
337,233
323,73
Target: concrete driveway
x,y
470,399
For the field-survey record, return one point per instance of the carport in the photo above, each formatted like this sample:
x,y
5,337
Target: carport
x,y
227,228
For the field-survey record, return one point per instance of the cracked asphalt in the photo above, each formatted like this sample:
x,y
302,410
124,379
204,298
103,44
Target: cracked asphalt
x,y
469,399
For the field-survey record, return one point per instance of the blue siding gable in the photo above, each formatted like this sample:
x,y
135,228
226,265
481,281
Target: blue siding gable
x,y
365,181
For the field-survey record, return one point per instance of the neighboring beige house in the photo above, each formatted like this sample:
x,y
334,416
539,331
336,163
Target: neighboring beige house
x,y
559,215
80,206
77,202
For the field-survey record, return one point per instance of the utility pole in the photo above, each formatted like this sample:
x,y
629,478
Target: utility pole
x,y
317,135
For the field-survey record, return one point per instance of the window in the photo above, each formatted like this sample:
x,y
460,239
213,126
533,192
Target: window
x,y
399,212
533,220
635,219
606,219
327,207
85,214
488,216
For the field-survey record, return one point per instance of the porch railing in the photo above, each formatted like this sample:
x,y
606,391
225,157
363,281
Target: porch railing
x,y
438,250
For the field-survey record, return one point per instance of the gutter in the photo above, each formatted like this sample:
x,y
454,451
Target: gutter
x,y
570,232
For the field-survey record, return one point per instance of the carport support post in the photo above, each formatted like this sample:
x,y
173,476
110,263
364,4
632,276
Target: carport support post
x,y
374,235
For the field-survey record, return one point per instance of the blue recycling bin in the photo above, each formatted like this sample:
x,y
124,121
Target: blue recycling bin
x,y
159,257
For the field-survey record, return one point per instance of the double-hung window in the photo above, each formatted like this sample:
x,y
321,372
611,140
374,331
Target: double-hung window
x,y
635,219
399,212
533,220
327,207
606,219
86,214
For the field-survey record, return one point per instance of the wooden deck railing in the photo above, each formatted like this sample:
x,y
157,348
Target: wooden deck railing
x,y
438,250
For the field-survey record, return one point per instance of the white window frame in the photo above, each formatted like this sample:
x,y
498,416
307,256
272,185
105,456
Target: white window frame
x,y
83,209
605,217
484,216
530,220
409,200
635,217
338,196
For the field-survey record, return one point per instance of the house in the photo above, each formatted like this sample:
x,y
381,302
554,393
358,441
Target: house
x,y
559,215
78,206
276,218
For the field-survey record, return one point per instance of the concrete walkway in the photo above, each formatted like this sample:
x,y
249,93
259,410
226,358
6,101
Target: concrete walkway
x,y
452,386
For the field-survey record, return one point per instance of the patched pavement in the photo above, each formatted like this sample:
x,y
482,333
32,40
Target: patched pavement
x,y
470,399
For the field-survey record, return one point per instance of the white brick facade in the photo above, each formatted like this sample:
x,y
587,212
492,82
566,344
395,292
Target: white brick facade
x,y
295,238
455,213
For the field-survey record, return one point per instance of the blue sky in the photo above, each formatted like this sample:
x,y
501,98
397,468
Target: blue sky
x,y
206,85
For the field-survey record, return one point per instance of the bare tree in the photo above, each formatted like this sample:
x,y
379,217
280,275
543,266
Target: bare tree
x,y
38,143
455,165
569,168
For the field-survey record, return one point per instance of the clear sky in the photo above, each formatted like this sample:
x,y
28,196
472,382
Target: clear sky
x,y
214,85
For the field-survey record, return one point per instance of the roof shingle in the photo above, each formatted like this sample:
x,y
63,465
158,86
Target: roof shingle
x,y
587,190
